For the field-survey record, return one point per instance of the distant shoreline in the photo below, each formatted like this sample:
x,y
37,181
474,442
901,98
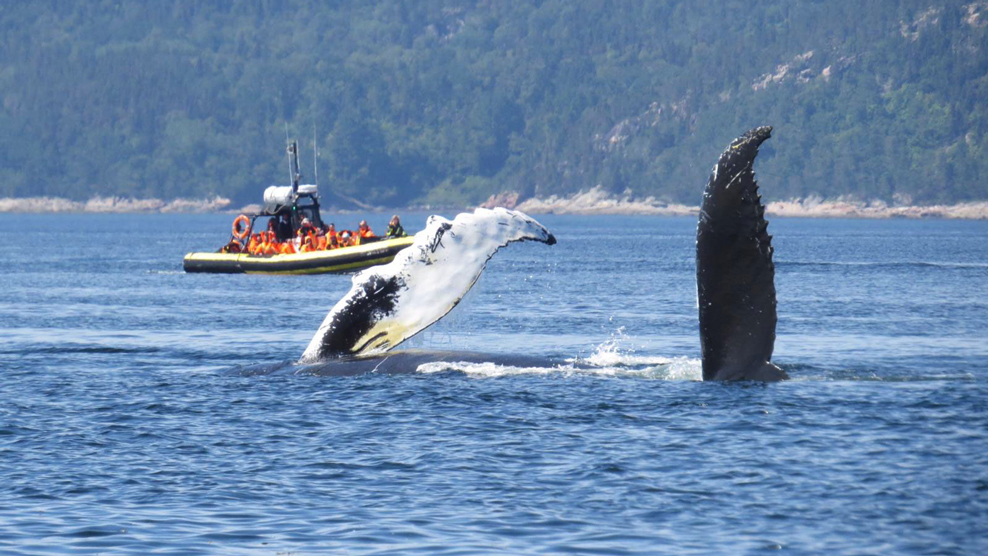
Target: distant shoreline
x,y
596,201
111,205
593,202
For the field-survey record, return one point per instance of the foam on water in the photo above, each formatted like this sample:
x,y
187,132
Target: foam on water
x,y
609,359
675,369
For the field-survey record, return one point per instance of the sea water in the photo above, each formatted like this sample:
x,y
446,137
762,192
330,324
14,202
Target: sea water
x,y
125,427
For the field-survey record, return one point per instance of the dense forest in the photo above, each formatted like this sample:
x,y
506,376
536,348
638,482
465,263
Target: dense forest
x,y
446,102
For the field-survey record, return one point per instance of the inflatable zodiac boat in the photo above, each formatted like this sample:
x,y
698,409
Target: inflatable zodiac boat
x,y
295,240
343,259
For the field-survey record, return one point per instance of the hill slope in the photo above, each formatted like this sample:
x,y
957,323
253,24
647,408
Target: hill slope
x,y
448,102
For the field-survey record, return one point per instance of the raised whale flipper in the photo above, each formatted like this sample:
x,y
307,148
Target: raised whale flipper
x,y
735,277
390,303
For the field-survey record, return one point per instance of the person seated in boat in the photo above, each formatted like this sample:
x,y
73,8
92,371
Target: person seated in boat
x,y
252,245
304,244
332,239
394,228
232,247
270,244
346,240
364,230
313,240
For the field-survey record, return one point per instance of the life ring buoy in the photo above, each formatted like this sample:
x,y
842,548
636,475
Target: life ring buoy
x,y
241,226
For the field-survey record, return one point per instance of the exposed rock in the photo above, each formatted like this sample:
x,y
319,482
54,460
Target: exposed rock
x,y
629,127
598,201
848,208
507,199
912,30
797,67
977,14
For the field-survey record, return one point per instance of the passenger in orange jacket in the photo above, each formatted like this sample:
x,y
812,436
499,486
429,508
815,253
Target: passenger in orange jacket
x,y
364,230
271,245
255,240
309,243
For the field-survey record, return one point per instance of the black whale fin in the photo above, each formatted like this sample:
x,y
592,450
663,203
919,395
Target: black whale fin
x,y
735,277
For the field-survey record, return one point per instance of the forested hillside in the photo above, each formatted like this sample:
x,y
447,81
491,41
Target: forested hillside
x,y
446,102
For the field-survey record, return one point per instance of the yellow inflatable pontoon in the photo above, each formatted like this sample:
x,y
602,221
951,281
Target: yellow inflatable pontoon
x,y
344,259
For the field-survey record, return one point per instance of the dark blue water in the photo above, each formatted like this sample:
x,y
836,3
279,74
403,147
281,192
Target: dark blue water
x,y
123,428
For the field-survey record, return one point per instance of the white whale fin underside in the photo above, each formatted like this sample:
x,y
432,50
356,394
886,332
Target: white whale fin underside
x,y
390,303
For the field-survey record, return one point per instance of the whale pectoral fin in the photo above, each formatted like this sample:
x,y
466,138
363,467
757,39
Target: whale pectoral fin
x,y
390,303
735,276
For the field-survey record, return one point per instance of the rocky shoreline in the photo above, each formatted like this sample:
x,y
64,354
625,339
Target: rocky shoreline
x,y
595,201
111,205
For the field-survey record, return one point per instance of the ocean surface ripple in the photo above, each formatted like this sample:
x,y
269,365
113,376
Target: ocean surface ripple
x,y
128,428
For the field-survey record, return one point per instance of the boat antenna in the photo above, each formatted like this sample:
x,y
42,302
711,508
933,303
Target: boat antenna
x,y
293,170
293,163
315,156
288,142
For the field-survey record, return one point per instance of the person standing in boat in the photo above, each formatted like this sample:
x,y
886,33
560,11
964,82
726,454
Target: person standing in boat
x,y
306,229
283,228
279,230
394,228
